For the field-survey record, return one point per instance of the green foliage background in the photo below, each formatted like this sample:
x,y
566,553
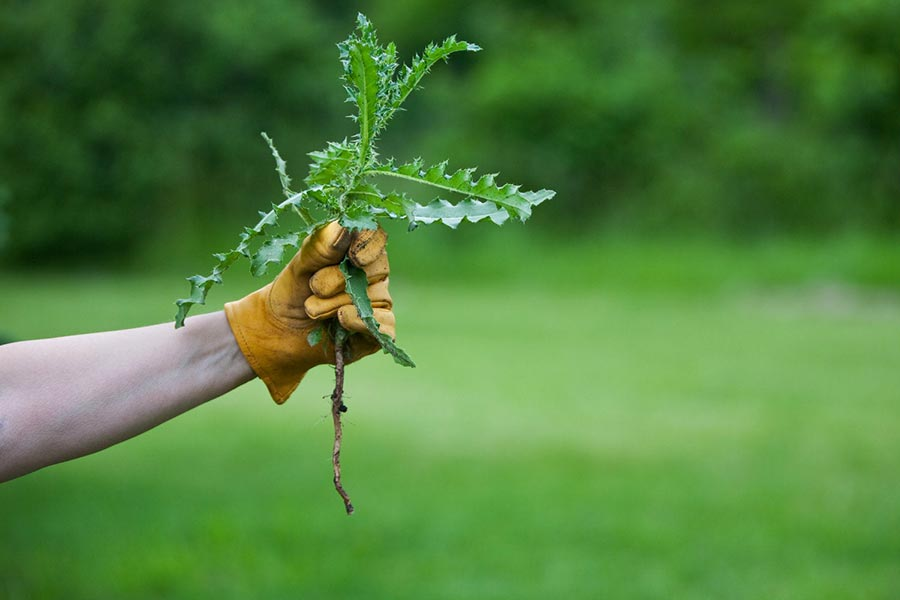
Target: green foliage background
x,y
612,402
131,124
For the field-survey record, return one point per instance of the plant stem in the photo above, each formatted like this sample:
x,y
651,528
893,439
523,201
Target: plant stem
x,y
338,407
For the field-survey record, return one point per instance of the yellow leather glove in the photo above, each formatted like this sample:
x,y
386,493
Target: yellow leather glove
x,y
271,325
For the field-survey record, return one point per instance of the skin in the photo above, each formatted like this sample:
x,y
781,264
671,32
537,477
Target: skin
x,y
65,397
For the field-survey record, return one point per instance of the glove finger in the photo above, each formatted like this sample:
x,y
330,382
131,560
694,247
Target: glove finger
x,y
324,247
351,321
330,281
378,269
327,282
323,308
367,245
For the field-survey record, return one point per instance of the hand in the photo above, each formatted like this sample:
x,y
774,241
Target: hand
x,y
271,325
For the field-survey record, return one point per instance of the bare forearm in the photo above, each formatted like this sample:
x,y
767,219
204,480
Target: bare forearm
x,y
65,397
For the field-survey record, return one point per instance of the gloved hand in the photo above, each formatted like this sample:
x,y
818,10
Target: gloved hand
x,y
271,324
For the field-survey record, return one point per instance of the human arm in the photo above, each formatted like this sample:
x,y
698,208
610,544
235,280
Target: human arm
x,y
62,398
66,397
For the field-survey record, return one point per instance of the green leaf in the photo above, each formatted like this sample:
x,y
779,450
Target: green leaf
x,y
398,206
315,336
272,252
360,55
393,205
453,214
280,167
359,216
199,289
331,166
356,285
509,197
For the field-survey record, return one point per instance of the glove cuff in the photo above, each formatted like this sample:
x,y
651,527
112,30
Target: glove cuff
x,y
279,356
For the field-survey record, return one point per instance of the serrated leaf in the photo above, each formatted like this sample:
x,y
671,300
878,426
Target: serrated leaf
x,y
396,205
364,74
199,289
359,216
280,167
364,63
331,166
266,219
272,252
453,214
508,197
393,205
356,285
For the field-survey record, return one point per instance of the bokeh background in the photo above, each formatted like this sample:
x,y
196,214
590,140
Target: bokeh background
x,y
680,380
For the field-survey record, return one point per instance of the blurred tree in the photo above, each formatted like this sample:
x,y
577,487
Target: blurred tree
x,y
128,120
731,117
4,220
116,117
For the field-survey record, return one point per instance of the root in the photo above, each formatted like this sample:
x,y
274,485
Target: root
x,y
338,407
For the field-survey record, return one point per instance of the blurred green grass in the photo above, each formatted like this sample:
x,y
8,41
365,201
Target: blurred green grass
x,y
595,419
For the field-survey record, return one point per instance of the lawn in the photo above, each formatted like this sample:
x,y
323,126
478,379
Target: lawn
x,y
567,434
